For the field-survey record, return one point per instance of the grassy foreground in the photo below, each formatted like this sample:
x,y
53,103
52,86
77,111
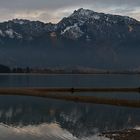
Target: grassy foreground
x,y
54,93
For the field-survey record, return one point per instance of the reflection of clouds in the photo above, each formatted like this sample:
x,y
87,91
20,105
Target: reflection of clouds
x,y
18,111
9,113
73,117
44,131
1,113
137,128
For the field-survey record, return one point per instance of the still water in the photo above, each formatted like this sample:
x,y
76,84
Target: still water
x,y
69,80
35,118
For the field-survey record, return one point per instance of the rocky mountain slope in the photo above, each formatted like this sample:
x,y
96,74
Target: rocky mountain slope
x,y
85,38
82,24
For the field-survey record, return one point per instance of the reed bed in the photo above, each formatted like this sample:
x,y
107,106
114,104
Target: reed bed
x,y
52,93
72,89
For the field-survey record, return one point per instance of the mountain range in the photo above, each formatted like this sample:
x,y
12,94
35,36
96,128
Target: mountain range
x,y
83,39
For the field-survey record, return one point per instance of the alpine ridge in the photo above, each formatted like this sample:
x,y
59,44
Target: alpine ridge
x,y
83,23
85,38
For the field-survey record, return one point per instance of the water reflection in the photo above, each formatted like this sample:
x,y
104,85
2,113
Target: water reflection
x,y
112,95
69,80
40,118
50,131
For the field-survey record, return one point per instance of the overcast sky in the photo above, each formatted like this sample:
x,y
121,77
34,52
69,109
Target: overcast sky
x,y
55,10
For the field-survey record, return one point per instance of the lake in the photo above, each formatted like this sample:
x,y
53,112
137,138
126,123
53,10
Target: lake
x,y
69,80
36,118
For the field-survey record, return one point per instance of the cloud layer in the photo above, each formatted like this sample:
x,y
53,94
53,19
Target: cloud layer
x,y
54,10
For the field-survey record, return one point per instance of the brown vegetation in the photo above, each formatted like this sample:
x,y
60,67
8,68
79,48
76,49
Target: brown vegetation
x,y
130,134
53,93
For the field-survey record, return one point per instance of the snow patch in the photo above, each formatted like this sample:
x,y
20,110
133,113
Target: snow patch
x,y
96,17
81,12
10,33
72,32
67,28
88,38
1,33
85,14
19,36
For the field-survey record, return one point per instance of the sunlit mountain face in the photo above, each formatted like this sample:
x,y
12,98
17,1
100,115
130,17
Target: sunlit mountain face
x,y
83,39
30,117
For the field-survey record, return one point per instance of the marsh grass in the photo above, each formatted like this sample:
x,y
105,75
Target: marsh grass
x,y
65,92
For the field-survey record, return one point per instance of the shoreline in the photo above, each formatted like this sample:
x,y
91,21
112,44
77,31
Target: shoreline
x,y
70,73
128,134
69,89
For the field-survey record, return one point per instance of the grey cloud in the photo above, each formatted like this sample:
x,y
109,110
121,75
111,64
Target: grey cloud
x,y
52,4
54,10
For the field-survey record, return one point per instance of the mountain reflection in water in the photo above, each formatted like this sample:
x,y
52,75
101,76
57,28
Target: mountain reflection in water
x,y
40,118
50,131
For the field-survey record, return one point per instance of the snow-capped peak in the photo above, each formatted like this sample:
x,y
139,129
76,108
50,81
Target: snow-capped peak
x,y
85,14
82,12
82,24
